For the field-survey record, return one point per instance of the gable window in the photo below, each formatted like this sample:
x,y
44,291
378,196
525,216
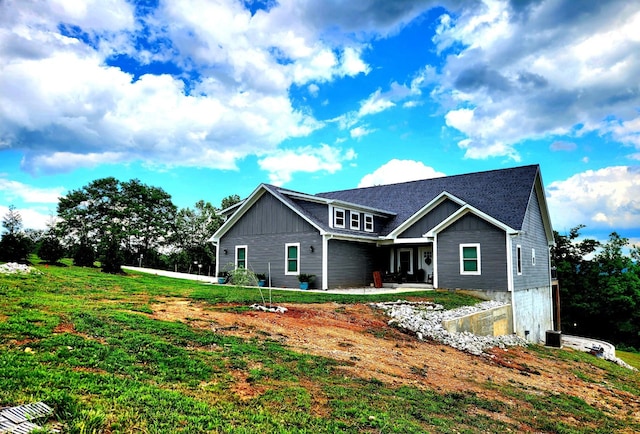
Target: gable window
x,y
338,218
355,221
533,257
292,259
470,259
519,259
241,256
368,223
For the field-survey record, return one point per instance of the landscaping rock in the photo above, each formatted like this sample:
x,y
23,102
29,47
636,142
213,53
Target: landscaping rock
x,y
425,320
274,309
15,268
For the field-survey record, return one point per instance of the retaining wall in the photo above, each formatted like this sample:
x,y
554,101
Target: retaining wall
x,y
493,322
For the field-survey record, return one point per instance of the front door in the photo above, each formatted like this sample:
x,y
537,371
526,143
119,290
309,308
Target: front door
x,y
405,261
425,261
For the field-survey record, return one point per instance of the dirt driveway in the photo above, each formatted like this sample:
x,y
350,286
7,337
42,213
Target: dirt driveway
x,y
359,336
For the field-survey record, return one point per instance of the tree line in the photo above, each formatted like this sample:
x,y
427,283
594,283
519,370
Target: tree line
x,y
116,223
599,287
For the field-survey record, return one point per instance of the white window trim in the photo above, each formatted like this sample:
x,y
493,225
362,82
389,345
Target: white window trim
x,y
533,257
286,259
470,273
354,217
368,222
335,217
246,256
519,259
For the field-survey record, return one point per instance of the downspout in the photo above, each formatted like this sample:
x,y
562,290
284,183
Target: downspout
x,y
217,246
325,261
555,326
510,284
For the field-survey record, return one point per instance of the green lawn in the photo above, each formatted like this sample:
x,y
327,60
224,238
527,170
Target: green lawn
x,y
631,358
80,341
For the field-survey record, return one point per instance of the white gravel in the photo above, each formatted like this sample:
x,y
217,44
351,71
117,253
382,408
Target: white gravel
x,y
15,268
425,320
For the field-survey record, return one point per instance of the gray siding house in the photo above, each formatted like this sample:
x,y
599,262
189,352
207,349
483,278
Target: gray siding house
x,y
488,232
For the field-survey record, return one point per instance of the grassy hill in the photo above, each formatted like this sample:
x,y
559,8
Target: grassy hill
x,y
142,353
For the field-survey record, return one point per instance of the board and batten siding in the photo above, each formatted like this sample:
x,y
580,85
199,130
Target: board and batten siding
x,y
350,264
265,229
471,229
532,236
429,221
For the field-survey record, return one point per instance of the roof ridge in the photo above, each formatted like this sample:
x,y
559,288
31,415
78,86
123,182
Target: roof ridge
x,y
430,179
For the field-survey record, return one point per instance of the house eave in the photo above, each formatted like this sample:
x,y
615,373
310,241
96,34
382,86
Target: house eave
x,y
338,203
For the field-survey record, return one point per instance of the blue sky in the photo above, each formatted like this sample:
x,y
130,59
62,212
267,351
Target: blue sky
x,y
210,98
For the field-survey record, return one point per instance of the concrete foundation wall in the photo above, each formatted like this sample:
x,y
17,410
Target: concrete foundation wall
x,y
494,322
534,313
533,310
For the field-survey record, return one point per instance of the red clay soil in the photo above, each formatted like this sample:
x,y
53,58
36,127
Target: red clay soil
x,y
359,336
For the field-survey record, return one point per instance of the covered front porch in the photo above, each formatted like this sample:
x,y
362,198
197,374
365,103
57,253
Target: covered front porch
x,y
408,265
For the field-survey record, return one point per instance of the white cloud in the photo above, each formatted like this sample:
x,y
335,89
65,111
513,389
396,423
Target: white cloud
x,y
570,70
64,107
32,218
352,63
608,198
376,103
313,90
14,190
359,132
282,164
396,171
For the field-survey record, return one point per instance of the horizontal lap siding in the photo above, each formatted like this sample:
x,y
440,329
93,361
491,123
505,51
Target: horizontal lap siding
x,y
265,229
350,264
532,236
492,240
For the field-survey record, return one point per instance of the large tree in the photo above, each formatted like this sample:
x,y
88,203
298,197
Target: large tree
x,y
14,244
194,227
115,220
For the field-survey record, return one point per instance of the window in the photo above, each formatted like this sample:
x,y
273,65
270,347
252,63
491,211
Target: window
x,y
355,221
338,218
519,259
368,223
241,256
533,257
292,259
470,259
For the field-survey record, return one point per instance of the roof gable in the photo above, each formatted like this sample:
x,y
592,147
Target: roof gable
x,y
251,200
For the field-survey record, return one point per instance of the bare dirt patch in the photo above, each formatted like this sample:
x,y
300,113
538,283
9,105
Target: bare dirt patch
x,y
358,336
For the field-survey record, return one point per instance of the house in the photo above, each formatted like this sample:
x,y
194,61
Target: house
x,y
488,232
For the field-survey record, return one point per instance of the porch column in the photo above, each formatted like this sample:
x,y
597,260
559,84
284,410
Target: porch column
x,y
325,261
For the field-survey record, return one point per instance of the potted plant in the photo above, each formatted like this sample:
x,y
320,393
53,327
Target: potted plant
x,y
305,280
262,279
223,276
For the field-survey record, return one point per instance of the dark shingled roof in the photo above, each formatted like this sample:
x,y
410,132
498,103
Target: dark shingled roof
x,y
502,194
